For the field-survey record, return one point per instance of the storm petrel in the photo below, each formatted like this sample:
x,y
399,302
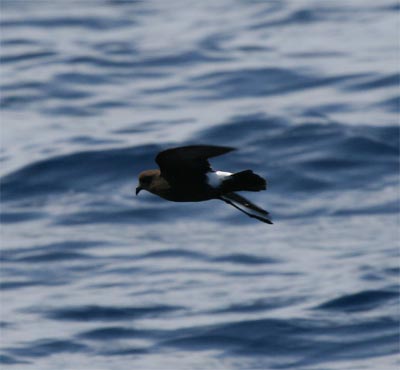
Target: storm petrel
x,y
185,175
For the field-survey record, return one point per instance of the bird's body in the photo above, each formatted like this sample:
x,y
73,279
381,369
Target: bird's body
x,y
188,192
185,175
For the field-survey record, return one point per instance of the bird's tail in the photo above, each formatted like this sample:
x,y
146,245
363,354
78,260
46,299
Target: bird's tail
x,y
245,206
243,181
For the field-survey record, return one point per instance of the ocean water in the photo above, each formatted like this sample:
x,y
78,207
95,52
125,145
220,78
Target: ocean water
x,y
93,277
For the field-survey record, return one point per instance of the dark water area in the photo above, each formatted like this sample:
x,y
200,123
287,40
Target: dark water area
x,y
93,277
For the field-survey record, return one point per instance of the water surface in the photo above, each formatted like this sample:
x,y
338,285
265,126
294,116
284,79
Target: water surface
x,y
93,277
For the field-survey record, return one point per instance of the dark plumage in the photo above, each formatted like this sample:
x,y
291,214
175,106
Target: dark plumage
x,y
185,175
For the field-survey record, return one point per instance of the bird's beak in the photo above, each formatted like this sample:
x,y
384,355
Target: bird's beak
x,y
138,190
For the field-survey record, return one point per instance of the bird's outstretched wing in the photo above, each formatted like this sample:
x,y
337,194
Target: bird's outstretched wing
x,y
247,207
188,162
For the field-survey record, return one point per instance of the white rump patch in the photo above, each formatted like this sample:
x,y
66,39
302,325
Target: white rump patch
x,y
215,179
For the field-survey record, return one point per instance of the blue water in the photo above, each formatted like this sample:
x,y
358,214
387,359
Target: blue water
x,y
93,277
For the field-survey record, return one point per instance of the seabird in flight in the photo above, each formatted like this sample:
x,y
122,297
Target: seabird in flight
x,y
185,175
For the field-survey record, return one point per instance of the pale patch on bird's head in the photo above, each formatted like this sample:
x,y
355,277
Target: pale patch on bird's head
x,y
146,179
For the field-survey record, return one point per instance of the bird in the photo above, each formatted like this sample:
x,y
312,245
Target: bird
x,y
185,175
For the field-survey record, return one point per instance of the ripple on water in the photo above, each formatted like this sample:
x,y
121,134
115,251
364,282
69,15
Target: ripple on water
x,y
108,313
360,301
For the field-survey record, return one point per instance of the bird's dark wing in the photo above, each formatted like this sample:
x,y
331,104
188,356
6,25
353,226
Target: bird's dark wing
x,y
188,162
247,207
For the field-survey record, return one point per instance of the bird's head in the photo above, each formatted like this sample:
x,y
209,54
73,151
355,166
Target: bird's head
x,y
146,179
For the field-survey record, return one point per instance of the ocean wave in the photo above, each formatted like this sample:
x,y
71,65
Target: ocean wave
x,y
340,156
360,301
107,313
294,342
298,161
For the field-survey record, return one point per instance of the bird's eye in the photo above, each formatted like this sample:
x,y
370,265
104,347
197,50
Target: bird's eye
x,y
146,180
